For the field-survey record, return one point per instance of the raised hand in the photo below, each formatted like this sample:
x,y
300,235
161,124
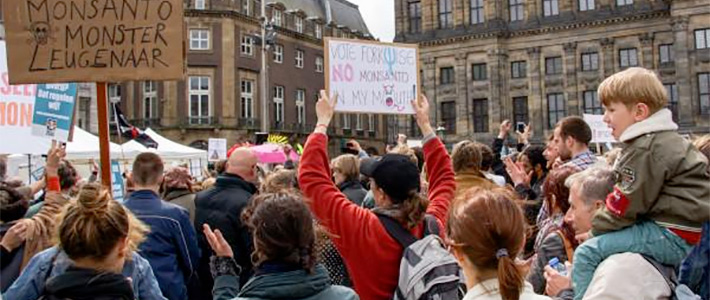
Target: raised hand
x,y
557,282
421,113
504,129
54,157
517,173
15,236
217,242
325,108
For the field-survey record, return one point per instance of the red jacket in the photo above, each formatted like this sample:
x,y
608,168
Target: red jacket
x,y
370,254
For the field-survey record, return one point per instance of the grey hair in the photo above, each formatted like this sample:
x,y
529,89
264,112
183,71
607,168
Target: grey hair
x,y
594,183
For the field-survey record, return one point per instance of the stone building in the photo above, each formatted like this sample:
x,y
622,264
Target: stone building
x,y
540,60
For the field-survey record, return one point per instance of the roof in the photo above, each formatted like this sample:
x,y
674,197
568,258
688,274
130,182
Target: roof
x,y
339,12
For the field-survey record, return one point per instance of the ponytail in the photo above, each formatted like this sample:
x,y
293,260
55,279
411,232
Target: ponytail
x,y
510,278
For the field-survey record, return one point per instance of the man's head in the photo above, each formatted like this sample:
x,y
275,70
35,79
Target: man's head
x,y
147,171
466,156
68,176
588,192
532,159
571,135
486,157
631,96
242,162
550,152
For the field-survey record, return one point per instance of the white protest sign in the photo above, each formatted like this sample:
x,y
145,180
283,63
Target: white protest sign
x,y
372,77
601,133
217,149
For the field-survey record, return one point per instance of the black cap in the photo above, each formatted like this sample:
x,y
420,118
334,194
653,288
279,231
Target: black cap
x,y
393,173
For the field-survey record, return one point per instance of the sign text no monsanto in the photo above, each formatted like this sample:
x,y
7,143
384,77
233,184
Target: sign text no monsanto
x,y
55,41
372,77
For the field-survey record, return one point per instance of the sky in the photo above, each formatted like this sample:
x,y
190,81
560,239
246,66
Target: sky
x,y
379,16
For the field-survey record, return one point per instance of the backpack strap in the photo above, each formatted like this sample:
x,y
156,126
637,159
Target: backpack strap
x,y
569,251
431,225
396,230
667,272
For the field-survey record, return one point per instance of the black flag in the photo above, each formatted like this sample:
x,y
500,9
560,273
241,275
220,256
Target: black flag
x,y
129,131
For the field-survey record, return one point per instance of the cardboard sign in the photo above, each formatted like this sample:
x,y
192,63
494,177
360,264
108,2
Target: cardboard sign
x,y
371,77
116,181
54,41
54,110
217,149
601,133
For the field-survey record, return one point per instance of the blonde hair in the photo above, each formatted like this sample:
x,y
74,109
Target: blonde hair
x,y
280,181
348,165
405,150
632,86
92,223
703,144
466,155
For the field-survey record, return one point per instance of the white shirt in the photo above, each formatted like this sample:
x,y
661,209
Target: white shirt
x,y
499,180
488,290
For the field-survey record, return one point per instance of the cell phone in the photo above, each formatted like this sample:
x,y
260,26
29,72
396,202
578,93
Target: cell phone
x,y
520,126
349,144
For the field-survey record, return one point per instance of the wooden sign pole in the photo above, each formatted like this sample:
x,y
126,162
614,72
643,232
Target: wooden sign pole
x,y
102,108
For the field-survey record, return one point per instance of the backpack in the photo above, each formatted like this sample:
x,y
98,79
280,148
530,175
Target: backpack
x,y
428,271
678,291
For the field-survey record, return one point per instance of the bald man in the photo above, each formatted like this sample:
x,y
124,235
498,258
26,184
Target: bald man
x,y
221,207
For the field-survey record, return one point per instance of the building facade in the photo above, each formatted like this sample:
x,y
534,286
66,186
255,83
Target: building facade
x,y
221,94
537,61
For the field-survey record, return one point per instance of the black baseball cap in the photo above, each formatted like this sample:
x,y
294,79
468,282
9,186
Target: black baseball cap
x,y
393,173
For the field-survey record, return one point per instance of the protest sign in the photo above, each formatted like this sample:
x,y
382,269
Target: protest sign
x,y
54,41
217,149
601,133
54,110
372,77
116,181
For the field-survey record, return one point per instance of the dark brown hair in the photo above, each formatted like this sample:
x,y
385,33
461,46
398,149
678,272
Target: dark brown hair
x,y
147,169
13,204
576,128
555,191
489,228
67,175
283,230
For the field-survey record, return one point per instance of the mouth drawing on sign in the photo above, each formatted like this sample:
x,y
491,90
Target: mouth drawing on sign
x,y
389,98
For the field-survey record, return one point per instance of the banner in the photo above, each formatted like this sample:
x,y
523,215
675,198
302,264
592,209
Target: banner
x,y
601,133
217,149
372,77
54,110
116,181
54,41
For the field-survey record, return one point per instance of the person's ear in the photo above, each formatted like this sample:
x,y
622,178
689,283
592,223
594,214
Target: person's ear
x,y
641,112
598,204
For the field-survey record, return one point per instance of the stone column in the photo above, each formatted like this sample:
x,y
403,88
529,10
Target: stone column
x,y
460,12
429,12
499,100
535,94
646,40
463,116
570,79
429,85
683,71
227,113
608,56
401,13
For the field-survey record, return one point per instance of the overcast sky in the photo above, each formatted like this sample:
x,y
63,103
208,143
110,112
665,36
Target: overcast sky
x,y
379,16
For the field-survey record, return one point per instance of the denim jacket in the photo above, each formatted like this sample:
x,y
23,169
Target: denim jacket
x,y
30,284
695,269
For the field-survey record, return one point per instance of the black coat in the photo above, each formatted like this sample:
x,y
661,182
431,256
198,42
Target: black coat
x,y
84,284
354,191
221,207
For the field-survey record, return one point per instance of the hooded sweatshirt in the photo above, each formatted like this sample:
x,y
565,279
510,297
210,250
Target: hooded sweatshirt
x,y
80,283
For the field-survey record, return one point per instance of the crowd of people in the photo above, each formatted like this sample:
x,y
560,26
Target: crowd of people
x,y
506,220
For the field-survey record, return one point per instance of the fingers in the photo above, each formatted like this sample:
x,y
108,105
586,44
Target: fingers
x,y
334,101
323,95
209,235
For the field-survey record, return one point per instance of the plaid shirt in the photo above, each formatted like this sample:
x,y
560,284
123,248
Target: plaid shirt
x,y
582,161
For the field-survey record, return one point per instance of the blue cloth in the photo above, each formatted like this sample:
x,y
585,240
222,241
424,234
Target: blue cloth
x,y
695,269
171,246
646,238
30,284
582,161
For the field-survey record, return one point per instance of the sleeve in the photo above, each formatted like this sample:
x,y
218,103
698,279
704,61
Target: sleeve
x,y
187,244
147,284
225,287
639,179
567,294
525,192
497,165
339,215
442,185
362,154
552,246
697,261
40,228
30,283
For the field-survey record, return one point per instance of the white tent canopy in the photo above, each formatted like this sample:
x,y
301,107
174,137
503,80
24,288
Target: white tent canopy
x,y
86,146
172,150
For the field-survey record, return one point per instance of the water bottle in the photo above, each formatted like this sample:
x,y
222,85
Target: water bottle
x,y
556,264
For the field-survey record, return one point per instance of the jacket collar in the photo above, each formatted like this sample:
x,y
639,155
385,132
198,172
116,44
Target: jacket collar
x,y
231,180
350,184
142,195
286,285
662,120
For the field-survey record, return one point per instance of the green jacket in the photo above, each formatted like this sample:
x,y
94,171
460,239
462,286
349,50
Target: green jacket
x,y
659,176
294,285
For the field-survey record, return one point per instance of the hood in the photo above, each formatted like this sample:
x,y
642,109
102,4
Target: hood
x,y
79,284
662,120
287,285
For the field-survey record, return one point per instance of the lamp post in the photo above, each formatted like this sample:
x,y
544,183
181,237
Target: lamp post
x,y
264,77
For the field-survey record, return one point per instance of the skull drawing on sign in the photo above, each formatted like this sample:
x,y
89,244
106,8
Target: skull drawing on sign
x,y
40,32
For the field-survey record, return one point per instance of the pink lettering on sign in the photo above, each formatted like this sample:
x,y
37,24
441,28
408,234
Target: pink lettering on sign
x,y
343,73
15,114
15,90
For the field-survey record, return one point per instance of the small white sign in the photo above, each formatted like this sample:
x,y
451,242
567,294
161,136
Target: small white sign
x,y
601,133
217,149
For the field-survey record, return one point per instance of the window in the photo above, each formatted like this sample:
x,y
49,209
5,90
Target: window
x,y
672,90
150,100
480,115
278,54
551,7
279,104
199,39
299,59
518,69
319,64
479,72
276,17
446,18
446,75
346,121
590,61
702,38
199,100
247,45
200,4
520,110
591,103
585,5
665,53
627,58
246,7
448,116
114,93
371,123
299,24
319,31
477,12
301,106
553,65
555,108
358,122
415,17
704,93
247,99
516,10
624,2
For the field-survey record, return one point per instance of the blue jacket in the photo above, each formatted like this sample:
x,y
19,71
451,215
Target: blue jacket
x,y
171,246
695,269
30,284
